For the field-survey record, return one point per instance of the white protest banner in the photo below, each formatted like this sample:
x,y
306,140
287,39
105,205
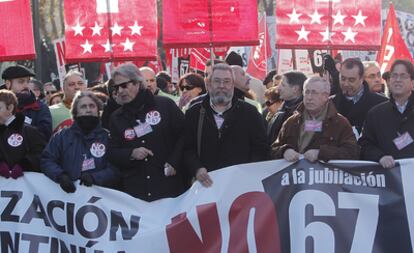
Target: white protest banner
x,y
274,206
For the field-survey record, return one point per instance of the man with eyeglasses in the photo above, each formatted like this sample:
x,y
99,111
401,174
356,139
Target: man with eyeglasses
x,y
316,130
389,128
372,75
146,138
355,98
222,130
37,114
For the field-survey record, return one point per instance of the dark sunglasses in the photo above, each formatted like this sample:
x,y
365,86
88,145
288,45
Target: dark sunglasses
x,y
50,92
186,87
269,103
123,85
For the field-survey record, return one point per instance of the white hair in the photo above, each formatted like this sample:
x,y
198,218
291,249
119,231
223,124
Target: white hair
x,y
326,86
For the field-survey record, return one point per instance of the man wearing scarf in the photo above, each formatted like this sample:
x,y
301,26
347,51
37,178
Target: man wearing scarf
x,y
316,130
36,113
145,141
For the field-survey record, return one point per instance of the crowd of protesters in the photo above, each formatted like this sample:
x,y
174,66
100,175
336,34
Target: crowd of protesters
x,y
144,135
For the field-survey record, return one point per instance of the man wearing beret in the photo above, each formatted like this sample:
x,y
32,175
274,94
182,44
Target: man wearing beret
x,y
17,78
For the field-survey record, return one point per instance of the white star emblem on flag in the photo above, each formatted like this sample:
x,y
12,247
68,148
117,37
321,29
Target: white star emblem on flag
x,y
327,35
78,29
96,30
108,46
116,29
303,34
136,29
128,45
349,35
359,19
316,17
87,48
294,17
338,18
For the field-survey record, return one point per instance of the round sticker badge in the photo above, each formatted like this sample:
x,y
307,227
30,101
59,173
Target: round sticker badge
x,y
98,149
129,134
153,118
15,140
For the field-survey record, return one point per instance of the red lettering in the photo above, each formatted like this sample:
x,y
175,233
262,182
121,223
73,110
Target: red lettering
x,y
182,238
266,227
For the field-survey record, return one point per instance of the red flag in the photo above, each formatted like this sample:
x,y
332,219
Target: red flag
x,y
16,36
199,57
110,30
257,65
392,44
203,23
339,24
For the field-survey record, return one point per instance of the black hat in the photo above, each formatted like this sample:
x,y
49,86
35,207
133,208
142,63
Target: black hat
x,y
234,59
16,72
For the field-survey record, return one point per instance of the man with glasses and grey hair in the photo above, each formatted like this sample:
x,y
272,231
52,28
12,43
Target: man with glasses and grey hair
x,y
222,130
316,130
146,141
389,128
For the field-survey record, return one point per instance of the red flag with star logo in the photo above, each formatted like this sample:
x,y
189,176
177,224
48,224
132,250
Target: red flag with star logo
x,y
205,23
393,46
104,30
16,36
257,65
334,24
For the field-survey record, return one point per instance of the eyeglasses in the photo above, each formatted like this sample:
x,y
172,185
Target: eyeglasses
x,y
150,80
403,76
50,92
186,87
226,82
270,103
123,85
373,75
313,92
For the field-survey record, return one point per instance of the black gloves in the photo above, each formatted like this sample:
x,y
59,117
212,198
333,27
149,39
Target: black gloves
x,y
329,65
66,183
87,179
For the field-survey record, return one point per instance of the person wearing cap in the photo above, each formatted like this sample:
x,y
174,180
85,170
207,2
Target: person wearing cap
x,y
37,114
145,141
80,151
61,116
20,144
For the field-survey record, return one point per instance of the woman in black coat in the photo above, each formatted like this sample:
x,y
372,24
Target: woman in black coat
x,y
20,144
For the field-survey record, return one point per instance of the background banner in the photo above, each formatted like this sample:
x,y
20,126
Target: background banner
x,y
274,206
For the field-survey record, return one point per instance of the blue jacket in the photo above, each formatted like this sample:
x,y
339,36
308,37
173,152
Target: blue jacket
x,y
69,150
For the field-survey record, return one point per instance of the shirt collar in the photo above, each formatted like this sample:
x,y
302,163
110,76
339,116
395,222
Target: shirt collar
x,y
401,108
357,97
217,112
9,120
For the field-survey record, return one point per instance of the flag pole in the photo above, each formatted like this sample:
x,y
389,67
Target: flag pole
x,y
265,38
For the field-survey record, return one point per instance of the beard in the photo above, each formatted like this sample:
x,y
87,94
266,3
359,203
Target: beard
x,y
221,98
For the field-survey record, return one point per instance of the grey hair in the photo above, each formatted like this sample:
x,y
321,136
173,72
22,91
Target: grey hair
x,y
82,94
145,68
221,66
369,64
73,73
130,71
326,86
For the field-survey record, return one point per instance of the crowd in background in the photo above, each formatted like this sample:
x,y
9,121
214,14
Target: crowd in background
x,y
143,134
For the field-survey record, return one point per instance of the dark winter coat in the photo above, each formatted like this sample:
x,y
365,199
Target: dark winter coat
x,y
336,141
283,113
145,179
26,151
37,113
241,139
356,113
70,147
385,123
